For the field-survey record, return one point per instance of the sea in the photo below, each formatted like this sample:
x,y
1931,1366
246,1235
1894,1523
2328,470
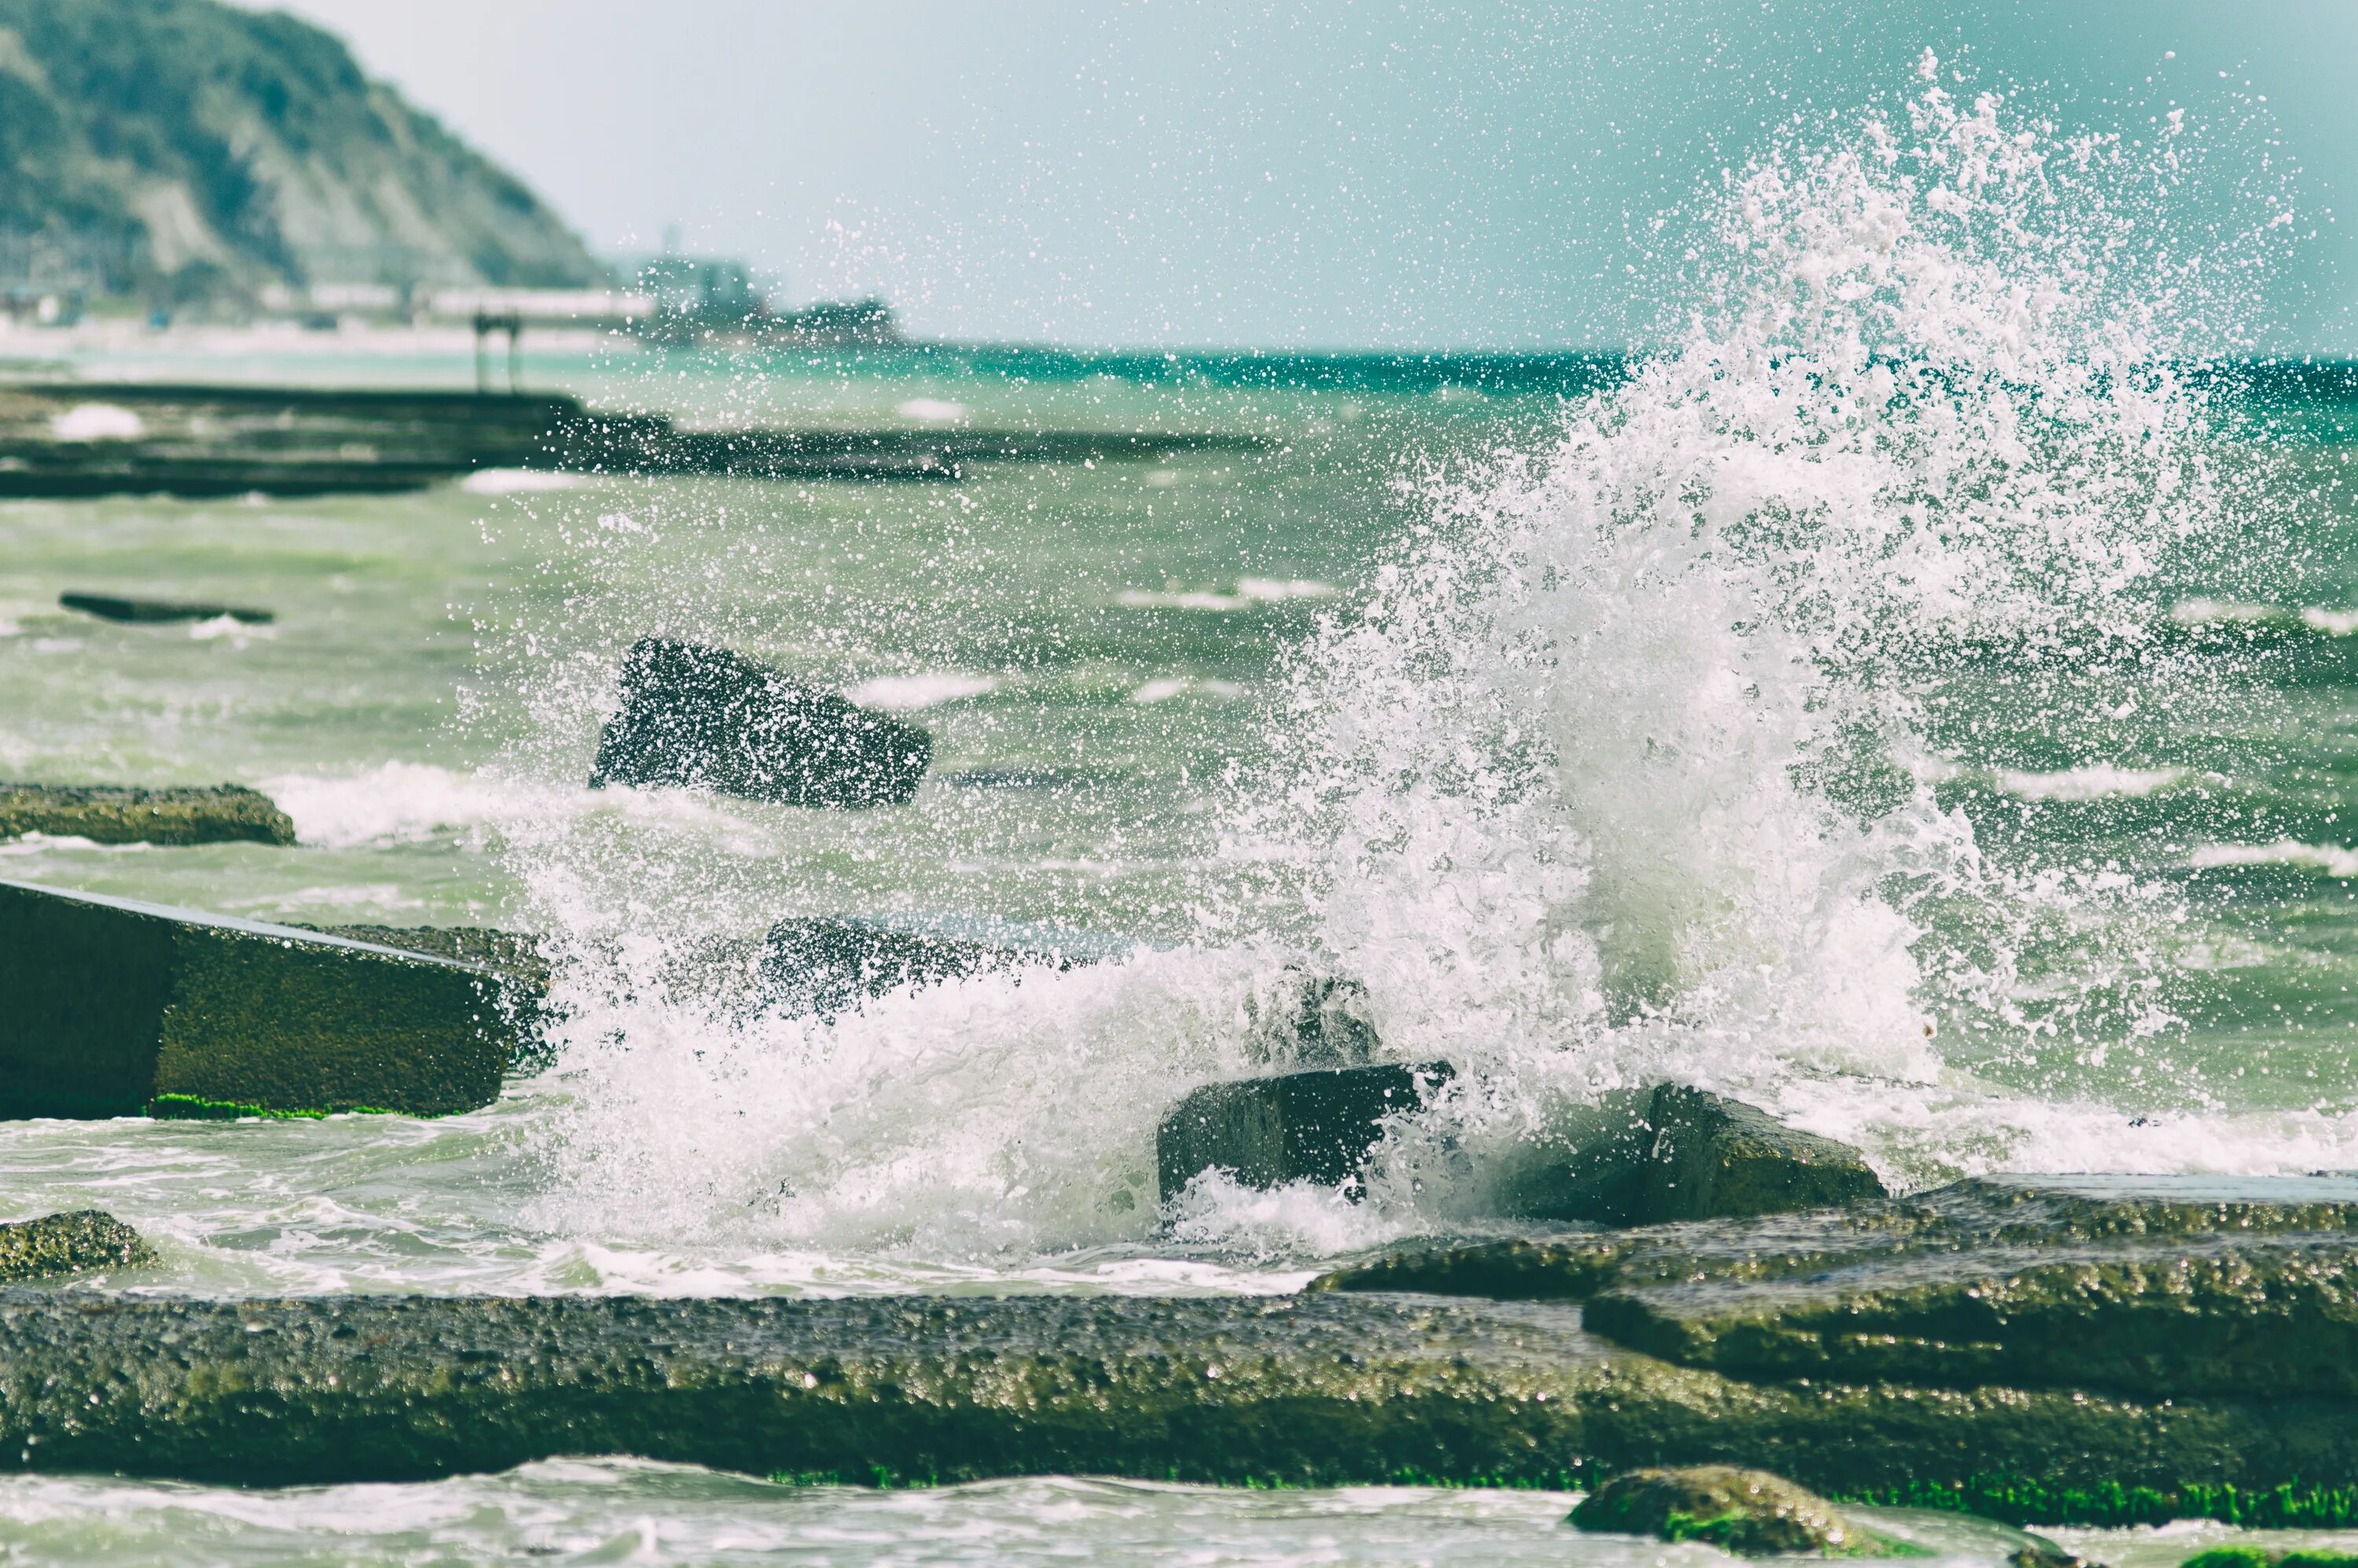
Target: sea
x,y
1914,690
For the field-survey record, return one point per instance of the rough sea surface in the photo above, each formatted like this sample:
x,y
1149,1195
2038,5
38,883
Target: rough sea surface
x,y
1917,695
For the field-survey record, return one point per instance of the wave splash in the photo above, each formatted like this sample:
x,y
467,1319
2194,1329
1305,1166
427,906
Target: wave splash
x,y
1627,770
1631,764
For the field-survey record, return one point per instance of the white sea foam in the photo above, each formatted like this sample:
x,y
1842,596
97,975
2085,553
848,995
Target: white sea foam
x,y
2330,858
2096,781
517,481
238,632
1164,688
2332,623
931,410
396,802
1250,591
413,803
2210,612
909,693
96,422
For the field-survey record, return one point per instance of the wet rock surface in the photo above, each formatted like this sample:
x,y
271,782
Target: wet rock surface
x,y
2157,1286
1319,1390
1748,1512
117,813
1314,1126
81,1242
116,1008
705,718
1677,1153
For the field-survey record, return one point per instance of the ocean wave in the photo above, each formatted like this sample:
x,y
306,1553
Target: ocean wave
x,y
2332,623
1164,688
517,481
1249,592
906,693
2200,611
2330,858
2096,781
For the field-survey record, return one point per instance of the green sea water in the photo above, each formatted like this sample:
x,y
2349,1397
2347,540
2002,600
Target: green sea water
x,y
1933,727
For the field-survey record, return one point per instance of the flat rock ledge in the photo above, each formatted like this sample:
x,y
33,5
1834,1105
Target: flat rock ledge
x,y
117,813
1326,1389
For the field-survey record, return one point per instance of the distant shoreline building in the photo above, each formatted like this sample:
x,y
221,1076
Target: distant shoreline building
x,y
714,301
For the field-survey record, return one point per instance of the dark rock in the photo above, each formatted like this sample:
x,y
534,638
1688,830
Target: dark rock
x,y
1314,1126
709,718
107,607
2156,1287
1684,1153
826,964
516,955
1714,1157
81,1242
110,814
1312,1391
1748,1512
114,1008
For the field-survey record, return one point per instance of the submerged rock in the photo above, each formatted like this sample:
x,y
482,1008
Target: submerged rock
x,y
116,813
1685,1154
81,1242
1323,1389
116,1008
710,718
1748,1512
826,964
1314,1126
108,607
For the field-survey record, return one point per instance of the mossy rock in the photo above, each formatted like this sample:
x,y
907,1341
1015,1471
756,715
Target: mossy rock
x,y
2260,1557
1714,1157
2152,1286
1748,1512
1317,1390
111,814
115,1003
81,1242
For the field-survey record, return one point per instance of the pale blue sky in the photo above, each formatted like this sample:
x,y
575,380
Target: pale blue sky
x,y
1334,174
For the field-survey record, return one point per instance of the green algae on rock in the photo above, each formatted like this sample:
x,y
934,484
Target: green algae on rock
x,y
81,1242
1678,1153
1315,1124
1748,1512
1320,1390
116,1003
111,814
1714,1157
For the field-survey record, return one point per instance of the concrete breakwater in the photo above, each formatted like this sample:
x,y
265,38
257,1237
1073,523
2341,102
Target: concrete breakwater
x,y
82,439
118,1009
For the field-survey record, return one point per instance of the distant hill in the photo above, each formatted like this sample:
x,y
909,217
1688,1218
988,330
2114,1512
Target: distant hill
x,y
187,149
